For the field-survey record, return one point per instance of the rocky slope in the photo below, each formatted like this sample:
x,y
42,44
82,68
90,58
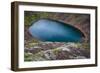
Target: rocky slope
x,y
56,51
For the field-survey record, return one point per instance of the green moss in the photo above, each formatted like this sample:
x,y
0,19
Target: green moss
x,y
33,17
28,56
56,51
32,43
84,45
38,56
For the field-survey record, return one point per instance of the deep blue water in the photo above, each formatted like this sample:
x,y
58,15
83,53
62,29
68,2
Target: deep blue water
x,y
55,31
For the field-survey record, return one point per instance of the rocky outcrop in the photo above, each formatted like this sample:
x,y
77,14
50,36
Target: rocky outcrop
x,y
57,51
